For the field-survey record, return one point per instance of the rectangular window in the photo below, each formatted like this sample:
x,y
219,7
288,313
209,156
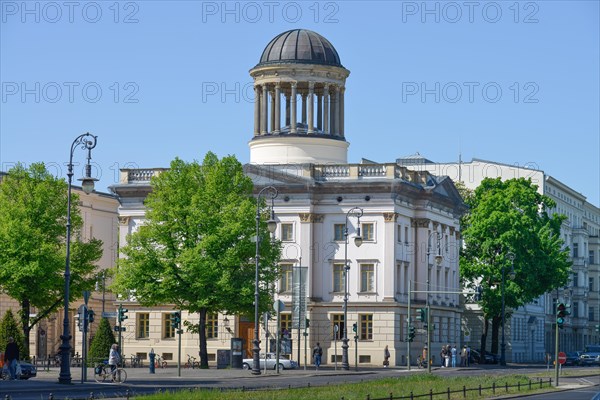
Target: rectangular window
x,y
338,320
591,257
367,278
406,235
287,232
338,232
168,330
591,313
575,279
399,233
338,277
285,284
368,232
212,326
366,327
591,284
143,325
575,250
286,324
576,309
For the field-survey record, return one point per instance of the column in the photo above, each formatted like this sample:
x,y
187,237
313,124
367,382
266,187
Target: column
x,y
272,114
277,126
311,106
303,95
326,109
256,111
293,109
336,114
263,117
287,109
320,112
341,130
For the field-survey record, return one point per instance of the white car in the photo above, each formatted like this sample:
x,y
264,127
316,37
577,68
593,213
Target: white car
x,y
284,363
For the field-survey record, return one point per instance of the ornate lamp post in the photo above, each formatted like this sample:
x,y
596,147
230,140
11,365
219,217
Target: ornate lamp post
x,y
271,226
87,142
511,257
357,212
438,261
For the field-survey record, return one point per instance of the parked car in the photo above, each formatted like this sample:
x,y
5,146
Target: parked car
x,y
573,358
284,363
490,358
27,371
589,358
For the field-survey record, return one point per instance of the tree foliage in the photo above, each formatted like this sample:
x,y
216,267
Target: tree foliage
x,y
10,328
197,242
100,346
511,217
33,218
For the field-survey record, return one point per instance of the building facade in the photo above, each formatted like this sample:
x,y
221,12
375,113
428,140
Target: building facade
x,y
406,219
531,328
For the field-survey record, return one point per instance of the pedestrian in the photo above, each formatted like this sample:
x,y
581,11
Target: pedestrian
x,y
317,353
463,356
468,356
454,356
448,355
443,356
424,357
386,357
114,358
11,357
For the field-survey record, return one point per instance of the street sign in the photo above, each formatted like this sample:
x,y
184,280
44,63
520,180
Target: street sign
x,y
562,358
109,314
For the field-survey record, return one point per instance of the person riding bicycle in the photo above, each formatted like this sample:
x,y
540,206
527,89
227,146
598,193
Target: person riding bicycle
x,y
114,358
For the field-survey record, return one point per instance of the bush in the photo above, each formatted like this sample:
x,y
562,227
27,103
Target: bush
x,y
100,347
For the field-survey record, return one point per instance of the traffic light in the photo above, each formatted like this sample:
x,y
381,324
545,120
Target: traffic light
x,y
561,312
355,327
411,333
91,316
422,314
122,311
307,323
175,319
478,293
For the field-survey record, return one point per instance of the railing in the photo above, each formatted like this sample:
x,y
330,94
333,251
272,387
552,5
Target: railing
x,y
140,175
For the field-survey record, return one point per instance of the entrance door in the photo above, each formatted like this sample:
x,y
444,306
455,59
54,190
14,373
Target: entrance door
x,y
247,334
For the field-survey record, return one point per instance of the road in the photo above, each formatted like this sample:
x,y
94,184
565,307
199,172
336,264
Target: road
x,y
140,381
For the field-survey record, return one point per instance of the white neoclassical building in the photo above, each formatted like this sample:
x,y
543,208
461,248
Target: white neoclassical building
x,y
530,330
299,146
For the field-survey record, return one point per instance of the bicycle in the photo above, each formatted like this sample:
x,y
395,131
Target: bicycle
x,y
135,361
160,362
421,363
191,362
102,374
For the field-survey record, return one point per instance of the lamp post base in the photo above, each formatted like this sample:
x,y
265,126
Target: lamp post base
x,y
65,351
503,354
345,362
255,357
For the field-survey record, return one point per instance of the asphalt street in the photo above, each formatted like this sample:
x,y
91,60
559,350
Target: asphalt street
x,y
140,381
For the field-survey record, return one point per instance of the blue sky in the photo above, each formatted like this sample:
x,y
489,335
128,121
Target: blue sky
x,y
513,82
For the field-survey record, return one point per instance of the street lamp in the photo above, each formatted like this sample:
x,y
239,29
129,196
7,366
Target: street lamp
x,y
87,142
511,257
357,212
438,261
271,226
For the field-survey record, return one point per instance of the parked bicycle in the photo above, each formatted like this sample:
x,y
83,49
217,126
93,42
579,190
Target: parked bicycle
x,y
192,363
135,361
159,362
103,374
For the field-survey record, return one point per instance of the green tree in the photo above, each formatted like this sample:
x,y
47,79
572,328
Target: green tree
x,y
511,217
10,328
197,241
33,217
100,346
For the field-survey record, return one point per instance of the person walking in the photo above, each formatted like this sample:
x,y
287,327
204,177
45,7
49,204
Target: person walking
x,y
11,357
317,353
468,356
443,356
114,358
424,359
463,356
448,355
453,356
386,357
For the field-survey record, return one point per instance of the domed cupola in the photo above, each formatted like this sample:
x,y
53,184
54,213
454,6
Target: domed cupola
x,y
299,66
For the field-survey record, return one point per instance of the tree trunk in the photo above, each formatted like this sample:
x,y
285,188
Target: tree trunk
x,y
202,333
486,325
25,310
496,324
